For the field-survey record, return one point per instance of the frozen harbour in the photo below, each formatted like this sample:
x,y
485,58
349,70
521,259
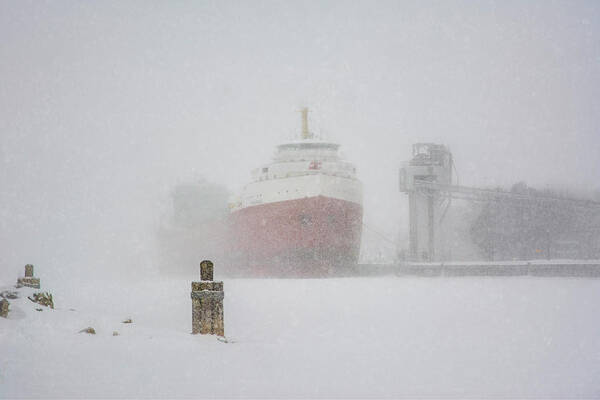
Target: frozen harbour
x,y
384,337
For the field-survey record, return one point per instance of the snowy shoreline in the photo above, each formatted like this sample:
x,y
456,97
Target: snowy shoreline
x,y
358,337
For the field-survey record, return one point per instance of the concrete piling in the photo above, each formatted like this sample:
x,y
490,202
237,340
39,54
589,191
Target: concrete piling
x,y
207,303
29,280
206,270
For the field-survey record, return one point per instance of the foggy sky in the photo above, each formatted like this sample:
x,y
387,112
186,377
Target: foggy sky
x,y
105,105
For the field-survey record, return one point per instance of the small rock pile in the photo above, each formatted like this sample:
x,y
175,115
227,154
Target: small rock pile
x,y
28,280
44,299
9,295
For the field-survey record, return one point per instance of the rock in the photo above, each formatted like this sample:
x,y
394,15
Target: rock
x,y
115,333
4,308
44,299
39,309
9,295
89,330
127,321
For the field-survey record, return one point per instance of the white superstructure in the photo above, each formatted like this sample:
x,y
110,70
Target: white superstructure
x,y
300,169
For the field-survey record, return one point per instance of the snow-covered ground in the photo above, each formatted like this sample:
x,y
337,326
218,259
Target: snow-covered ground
x,y
353,337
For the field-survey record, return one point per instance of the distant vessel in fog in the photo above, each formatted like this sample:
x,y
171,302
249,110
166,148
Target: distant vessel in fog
x,y
194,228
301,215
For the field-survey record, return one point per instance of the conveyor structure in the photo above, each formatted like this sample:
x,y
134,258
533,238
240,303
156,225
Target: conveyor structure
x,y
427,179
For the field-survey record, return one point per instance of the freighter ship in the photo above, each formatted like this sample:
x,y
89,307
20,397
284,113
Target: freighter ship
x,y
194,228
301,216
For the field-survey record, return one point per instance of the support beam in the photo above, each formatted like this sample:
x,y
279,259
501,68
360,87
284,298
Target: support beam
x,y
431,227
413,221
477,194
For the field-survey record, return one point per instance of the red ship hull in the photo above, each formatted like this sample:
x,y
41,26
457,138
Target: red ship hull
x,y
310,237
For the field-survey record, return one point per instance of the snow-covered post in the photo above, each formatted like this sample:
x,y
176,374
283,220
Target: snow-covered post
x,y
207,303
28,280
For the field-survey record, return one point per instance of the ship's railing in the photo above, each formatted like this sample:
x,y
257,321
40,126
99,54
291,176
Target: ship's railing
x,y
304,173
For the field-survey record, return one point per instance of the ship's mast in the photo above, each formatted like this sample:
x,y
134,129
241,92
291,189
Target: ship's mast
x,y
305,133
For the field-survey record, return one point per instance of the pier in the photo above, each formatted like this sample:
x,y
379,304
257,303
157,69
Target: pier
x,y
534,268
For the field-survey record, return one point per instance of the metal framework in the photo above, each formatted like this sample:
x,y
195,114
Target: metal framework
x,y
427,179
479,194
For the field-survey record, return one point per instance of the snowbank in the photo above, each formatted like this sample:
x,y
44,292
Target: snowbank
x,y
355,337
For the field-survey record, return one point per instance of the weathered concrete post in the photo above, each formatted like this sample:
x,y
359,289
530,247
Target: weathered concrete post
x,y
29,280
206,270
207,303
4,308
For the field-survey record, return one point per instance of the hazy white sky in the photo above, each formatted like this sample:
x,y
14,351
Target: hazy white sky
x,y
104,105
